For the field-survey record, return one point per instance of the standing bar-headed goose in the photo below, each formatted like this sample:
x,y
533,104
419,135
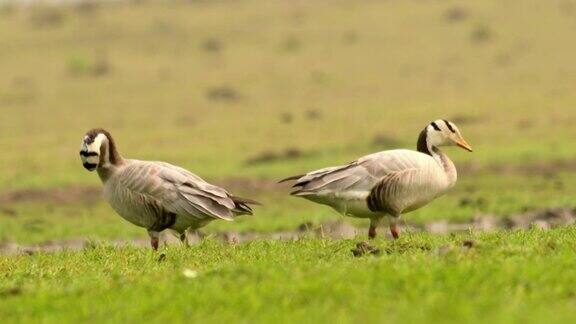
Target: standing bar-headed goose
x,y
387,183
157,195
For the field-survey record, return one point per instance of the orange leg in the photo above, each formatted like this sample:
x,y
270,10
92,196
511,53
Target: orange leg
x,y
394,229
372,232
154,239
154,242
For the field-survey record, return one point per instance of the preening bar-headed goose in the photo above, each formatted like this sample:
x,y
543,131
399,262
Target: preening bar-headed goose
x,y
387,183
157,195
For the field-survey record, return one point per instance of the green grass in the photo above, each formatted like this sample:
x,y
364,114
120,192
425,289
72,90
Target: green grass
x,y
344,73
507,276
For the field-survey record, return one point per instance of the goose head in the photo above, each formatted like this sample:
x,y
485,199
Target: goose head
x,y
98,150
439,133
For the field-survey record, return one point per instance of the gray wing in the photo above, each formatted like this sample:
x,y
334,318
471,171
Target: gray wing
x,y
360,175
183,193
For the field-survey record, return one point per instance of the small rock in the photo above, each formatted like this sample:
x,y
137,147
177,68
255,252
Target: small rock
x,y
337,230
485,223
189,273
468,244
540,224
439,227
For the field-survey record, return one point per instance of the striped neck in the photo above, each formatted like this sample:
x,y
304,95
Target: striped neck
x,y
442,159
423,146
100,141
109,152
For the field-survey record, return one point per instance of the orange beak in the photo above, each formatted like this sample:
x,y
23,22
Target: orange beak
x,y
463,144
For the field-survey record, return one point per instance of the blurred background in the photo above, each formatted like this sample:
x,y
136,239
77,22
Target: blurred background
x,y
246,92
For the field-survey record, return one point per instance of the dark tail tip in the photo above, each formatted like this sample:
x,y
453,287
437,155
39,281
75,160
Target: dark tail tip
x,y
245,201
291,178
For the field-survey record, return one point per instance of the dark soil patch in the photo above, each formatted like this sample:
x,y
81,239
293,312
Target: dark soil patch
x,y
212,45
286,118
534,168
481,34
313,114
385,141
9,292
363,248
67,195
222,93
403,247
270,156
462,119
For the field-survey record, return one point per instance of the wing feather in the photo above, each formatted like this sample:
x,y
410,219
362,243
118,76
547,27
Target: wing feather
x,y
360,175
181,192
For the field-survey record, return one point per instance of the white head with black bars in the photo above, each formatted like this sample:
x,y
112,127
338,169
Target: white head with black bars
x,y
441,133
98,150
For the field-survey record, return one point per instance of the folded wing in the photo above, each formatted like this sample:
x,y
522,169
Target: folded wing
x,y
183,193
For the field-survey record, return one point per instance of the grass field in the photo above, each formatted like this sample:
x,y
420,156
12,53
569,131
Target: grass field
x,y
504,277
245,93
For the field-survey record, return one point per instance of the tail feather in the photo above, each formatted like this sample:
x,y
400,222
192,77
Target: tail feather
x,y
242,205
296,177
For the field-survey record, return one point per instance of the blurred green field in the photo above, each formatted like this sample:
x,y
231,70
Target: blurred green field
x,y
246,92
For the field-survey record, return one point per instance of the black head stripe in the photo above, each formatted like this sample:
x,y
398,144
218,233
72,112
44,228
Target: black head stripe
x,y
449,126
90,139
435,126
89,166
88,154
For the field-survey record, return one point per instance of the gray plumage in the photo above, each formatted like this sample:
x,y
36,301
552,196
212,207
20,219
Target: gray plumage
x,y
147,194
157,195
387,183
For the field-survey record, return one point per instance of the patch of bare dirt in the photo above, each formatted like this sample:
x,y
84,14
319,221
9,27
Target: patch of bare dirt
x,y
270,156
385,141
456,14
66,195
481,34
542,218
222,93
363,248
465,119
539,168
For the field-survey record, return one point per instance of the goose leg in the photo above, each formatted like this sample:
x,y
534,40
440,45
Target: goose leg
x,y
394,230
374,222
154,239
372,232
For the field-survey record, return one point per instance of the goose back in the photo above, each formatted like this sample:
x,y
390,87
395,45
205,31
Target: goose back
x,y
158,195
389,182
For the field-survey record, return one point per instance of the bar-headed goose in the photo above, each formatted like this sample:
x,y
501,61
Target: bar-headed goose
x,y
387,183
157,195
